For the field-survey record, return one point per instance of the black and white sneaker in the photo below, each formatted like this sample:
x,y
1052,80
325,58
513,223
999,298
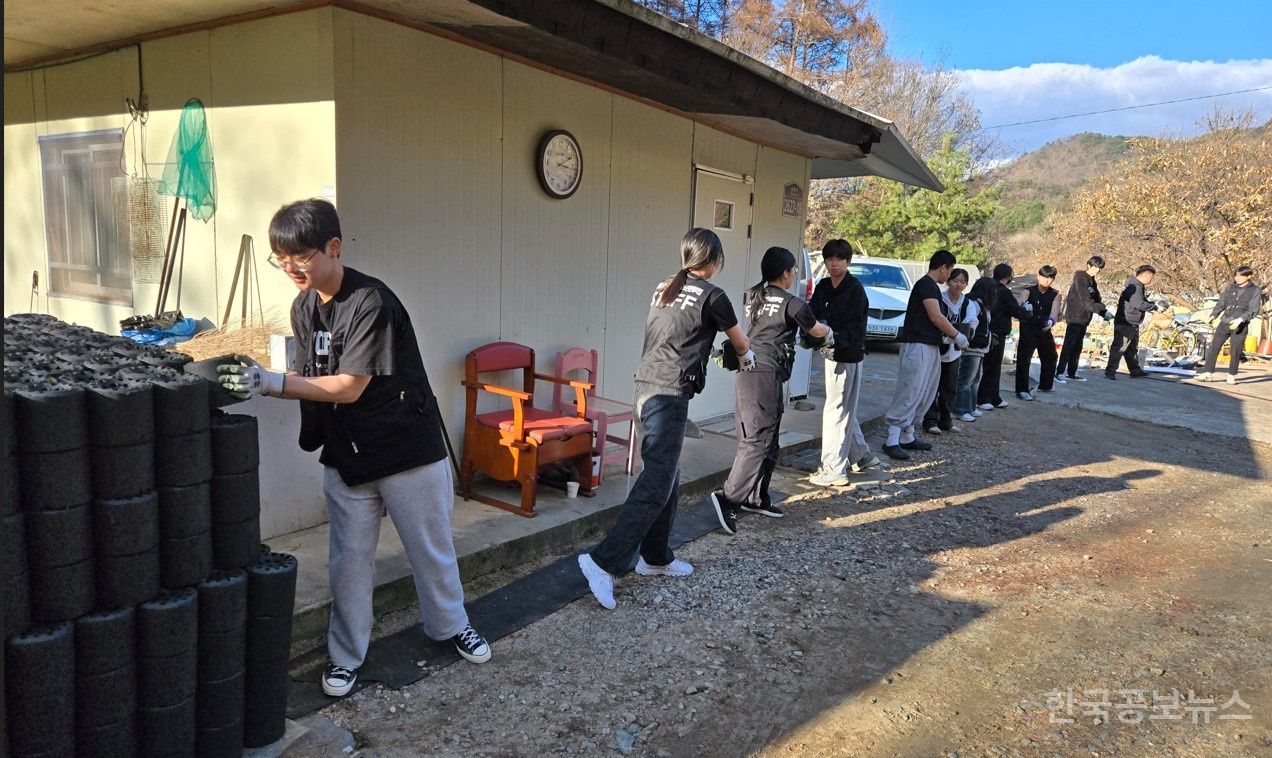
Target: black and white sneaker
x,y
726,512
338,680
764,509
472,645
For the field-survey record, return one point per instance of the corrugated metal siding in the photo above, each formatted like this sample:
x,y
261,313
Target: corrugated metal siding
x,y
774,170
649,213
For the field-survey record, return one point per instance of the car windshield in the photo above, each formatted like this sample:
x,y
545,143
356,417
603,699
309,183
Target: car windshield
x,y
878,275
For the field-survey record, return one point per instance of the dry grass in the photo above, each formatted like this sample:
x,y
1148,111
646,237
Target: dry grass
x,y
251,339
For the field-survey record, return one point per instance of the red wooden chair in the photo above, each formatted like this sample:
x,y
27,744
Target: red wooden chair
x,y
601,411
513,444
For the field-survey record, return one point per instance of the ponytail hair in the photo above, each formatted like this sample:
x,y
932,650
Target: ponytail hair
x,y
700,247
776,261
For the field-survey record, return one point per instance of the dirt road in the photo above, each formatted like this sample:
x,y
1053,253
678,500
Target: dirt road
x,y
1045,550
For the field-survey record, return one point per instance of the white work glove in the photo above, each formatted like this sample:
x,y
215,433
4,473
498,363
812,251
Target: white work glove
x,y
1047,326
960,341
1028,306
746,361
1235,325
827,350
247,379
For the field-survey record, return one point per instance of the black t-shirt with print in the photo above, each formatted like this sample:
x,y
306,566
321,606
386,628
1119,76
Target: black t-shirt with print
x,y
365,331
918,325
678,337
774,317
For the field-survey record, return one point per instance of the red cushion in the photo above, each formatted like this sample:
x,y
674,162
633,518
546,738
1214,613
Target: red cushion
x,y
540,426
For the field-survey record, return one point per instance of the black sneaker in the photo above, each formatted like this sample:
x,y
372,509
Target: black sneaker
x,y
472,645
338,680
726,512
895,452
916,445
1110,377
1138,374
764,509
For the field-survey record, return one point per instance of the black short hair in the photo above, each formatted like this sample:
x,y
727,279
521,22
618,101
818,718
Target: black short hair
x,y
1245,270
837,249
1096,261
940,259
303,225
1144,268
1047,271
961,272
1003,271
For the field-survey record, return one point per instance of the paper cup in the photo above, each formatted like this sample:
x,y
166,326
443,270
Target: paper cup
x,y
571,489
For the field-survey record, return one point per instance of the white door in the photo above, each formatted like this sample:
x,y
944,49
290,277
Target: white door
x,y
723,205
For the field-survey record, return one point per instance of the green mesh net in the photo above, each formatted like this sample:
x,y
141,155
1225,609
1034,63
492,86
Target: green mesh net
x,y
189,172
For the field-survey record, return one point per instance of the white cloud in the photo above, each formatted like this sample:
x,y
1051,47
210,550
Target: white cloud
x,y
1043,90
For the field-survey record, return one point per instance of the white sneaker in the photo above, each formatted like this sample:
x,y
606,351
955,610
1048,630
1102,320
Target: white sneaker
x,y
825,478
954,429
675,568
1202,377
1060,379
985,407
1231,379
1001,404
599,581
933,430
977,412
968,417
1024,396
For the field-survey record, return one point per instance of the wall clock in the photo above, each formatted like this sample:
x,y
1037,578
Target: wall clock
x,y
559,162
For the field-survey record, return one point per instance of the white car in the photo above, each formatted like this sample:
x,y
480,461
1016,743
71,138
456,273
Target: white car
x,y
888,283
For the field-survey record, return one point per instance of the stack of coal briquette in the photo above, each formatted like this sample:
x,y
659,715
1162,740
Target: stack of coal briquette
x,y
141,614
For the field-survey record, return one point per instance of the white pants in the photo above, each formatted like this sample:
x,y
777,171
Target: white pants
x,y
843,444
917,378
420,502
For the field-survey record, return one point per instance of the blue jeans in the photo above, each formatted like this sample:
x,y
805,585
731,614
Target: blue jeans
x,y
644,521
969,376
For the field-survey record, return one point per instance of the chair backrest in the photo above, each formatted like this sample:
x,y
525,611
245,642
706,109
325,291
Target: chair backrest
x,y
574,359
497,357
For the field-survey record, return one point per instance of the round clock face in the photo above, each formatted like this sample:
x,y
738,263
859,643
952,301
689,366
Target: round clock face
x,y
560,164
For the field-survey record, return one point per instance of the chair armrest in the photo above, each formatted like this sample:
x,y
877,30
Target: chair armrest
x,y
616,405
496,389
585,386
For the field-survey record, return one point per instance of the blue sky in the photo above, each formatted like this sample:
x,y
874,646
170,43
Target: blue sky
x,y
1027,60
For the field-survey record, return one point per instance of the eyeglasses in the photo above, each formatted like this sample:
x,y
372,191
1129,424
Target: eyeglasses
x,y
295,261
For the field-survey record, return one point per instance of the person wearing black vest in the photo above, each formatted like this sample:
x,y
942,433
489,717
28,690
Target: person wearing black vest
x,y
925,330
686,313
939,417
773,316
1005,308
841,303
1081,304
1238,304
366,401
975,311
1043,305
1132,306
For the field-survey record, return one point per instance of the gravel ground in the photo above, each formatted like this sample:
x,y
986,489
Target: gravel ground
x,y
928,617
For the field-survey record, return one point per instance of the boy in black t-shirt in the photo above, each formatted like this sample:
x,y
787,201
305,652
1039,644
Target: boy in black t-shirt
x,y
921,338
841,302
366,401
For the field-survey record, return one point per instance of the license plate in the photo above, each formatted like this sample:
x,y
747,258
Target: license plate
x,y
883,331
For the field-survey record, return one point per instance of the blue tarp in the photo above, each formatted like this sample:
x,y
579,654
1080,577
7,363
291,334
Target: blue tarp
x,y
178,332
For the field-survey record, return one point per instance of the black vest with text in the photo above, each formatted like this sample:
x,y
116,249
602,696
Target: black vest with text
x,y
678,339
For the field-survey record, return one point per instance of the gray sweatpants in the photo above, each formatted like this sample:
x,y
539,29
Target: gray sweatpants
x,y
843,444
420,502
917,377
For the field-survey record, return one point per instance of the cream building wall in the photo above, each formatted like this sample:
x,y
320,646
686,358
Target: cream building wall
x,y
427,147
